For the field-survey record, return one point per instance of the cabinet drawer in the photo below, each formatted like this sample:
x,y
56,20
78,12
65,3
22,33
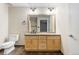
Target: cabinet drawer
x,y
34,37
57,37
31,37
42,41
42,37
53,37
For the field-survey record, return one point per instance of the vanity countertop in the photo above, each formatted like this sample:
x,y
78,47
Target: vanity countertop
x,y
41,34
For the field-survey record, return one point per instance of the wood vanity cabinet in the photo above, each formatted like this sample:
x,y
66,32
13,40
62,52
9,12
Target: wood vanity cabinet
x,y
42,42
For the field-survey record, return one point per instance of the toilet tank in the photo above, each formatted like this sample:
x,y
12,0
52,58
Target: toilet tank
x,y
13,37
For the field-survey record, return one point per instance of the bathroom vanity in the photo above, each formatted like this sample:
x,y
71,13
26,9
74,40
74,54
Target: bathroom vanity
x,y
42,42
41,34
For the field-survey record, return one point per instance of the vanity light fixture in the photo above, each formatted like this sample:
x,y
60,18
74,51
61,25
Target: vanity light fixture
x,y
33,9
51,9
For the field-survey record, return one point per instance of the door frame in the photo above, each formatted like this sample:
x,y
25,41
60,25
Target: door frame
x,y
38,22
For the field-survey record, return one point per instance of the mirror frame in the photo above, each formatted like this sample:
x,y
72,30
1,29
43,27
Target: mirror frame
x,y
54,25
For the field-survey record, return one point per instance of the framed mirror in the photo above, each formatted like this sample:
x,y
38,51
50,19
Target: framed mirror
x,y
41,23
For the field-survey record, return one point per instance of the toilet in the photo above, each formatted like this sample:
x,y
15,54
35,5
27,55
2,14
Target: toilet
x,y
9,45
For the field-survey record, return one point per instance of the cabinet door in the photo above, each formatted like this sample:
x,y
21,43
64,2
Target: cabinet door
x,y
42,42
57,44
28,43
34,42
50,42
53,42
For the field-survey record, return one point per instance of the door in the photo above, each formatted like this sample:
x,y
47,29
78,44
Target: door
x,y
43,25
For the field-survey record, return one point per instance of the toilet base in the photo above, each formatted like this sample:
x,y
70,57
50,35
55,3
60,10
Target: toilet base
x,y
8,50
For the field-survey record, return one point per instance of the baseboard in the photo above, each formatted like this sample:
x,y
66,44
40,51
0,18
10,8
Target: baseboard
x,y
45,52
19,45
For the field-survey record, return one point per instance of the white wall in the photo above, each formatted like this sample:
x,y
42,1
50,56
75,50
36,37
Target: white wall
x,y
3,22
62,22
68,22
17,14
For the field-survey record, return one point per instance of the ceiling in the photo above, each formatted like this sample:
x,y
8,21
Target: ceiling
x,y
33,4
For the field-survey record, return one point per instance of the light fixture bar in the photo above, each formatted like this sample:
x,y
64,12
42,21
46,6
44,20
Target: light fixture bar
x,y
51,9
33,9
